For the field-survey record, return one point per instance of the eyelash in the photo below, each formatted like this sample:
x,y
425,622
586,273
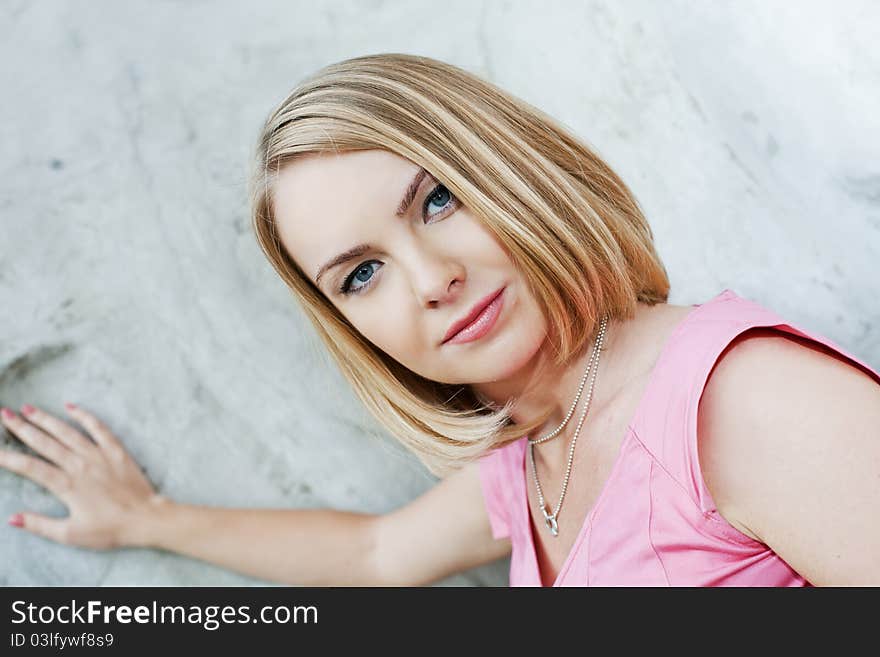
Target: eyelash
x,y
345,287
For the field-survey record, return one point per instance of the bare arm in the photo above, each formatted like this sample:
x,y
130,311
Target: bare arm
x,y
790,441
444,531
302,547
113,505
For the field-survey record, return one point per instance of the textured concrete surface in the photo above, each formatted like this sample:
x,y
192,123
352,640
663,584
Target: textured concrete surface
x,y
130,281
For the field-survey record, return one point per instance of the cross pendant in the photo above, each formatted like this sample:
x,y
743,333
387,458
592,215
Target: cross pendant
x,y
550,521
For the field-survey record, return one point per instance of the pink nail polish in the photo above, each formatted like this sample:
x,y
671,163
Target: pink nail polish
x,y
27,409
7,413
70,406
16,520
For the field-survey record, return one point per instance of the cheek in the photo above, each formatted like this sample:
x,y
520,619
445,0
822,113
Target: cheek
x,y
472,237
391,332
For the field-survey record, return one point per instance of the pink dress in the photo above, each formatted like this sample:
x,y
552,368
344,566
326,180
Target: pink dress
x,y
654,522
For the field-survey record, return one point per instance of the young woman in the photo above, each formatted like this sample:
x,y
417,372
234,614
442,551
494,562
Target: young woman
x,y
491,290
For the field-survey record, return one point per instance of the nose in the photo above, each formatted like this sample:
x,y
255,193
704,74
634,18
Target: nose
x,y
443,296
436,280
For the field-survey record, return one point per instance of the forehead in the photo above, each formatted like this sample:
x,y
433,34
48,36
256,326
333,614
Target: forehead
x,y
325,203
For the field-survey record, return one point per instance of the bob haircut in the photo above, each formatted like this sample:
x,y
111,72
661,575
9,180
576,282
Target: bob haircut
x,y
568,222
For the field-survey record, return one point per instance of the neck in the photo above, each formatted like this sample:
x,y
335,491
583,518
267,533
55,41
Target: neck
x,y
541,385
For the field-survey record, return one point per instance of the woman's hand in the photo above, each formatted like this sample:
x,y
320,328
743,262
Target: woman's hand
x,y
104,489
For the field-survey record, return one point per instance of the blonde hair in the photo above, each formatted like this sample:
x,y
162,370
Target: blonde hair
x,y
569,224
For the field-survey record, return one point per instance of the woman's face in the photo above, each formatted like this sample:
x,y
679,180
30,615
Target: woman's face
x,y
422,267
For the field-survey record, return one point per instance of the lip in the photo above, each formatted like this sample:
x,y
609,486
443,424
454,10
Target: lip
x,y
478,321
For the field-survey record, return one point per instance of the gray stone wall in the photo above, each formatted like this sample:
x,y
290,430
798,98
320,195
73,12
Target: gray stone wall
x,y
131,283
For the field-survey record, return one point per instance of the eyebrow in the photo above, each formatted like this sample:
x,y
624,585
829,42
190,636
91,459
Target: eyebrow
x,y
356,251
410,192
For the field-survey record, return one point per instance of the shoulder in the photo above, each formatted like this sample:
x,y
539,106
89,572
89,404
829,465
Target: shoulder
x,y
789,446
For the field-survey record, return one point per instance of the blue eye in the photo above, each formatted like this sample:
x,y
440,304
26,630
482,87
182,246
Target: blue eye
x,y
363,274
439,195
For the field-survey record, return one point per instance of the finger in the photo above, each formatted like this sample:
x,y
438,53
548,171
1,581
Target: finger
x,y
65,433
46,475
97,429
55,529
40,441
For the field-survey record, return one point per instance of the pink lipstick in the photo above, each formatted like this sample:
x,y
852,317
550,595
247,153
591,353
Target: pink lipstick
x,y
480,325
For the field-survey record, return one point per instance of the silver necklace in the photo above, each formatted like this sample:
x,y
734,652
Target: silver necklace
x,y
550,519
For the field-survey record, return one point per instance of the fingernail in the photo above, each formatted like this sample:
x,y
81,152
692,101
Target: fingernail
x,y
70,405
7,413
27,409
16,520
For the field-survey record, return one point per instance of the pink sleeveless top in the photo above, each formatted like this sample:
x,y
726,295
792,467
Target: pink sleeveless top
x,y
654,522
